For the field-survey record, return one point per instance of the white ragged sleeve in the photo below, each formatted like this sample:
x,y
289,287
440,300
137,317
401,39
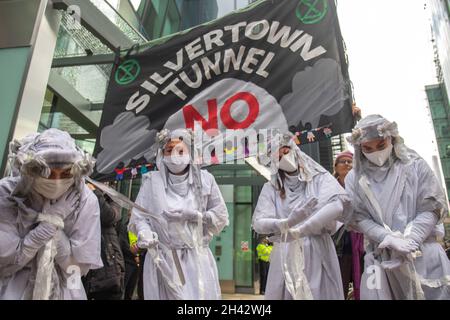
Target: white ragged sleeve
x,y
216,210
265,220
138,221
82,246
431,204
16,251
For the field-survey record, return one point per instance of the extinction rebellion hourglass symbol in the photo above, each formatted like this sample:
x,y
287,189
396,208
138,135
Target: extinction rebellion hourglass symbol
x,y
311,11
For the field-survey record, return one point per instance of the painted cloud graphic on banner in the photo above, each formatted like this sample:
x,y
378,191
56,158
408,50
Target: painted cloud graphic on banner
x,y
318,90
231,104
129,137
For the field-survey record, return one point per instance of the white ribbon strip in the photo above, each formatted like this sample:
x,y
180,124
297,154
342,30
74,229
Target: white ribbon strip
x,y
298,287
45,265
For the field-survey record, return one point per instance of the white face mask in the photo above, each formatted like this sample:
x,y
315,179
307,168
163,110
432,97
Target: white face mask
x,y
52,188
176,164
379,158
288,163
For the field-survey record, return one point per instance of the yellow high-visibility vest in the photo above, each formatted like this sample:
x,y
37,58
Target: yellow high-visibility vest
x,y
263,251
132,238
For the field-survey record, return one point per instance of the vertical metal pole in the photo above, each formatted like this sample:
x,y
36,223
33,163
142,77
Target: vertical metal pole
x,y
32,26
131,186
35,85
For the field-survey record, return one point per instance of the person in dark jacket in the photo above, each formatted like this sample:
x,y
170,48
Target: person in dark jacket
x,y
131,257
447,250
107,283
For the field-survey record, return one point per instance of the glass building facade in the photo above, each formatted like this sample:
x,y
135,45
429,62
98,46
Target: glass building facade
x,y
440,23
440,114
437,95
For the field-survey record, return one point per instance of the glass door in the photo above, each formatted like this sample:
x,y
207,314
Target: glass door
x,y
243,239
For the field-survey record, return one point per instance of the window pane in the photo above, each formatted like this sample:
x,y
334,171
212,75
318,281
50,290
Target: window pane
x,y
244,194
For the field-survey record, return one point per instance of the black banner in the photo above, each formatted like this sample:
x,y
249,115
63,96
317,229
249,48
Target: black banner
x,y
275,64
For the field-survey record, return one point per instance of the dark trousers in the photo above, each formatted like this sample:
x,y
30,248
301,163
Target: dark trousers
x,y
131,278
345,263
263,272
141,276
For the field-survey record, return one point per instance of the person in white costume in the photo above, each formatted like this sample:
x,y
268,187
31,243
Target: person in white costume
x,y
399,206
300,206
184,210
49,219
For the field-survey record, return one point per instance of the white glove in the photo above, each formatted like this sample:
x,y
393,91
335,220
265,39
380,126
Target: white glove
x,y
64,206
315,224
269,225
398,244
183,215
399,259
207,218
282,225
295,233
173,216
191,215
147,239
302,211
33,241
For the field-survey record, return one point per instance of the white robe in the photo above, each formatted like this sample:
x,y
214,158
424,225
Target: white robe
x,y
18,217
321,265
197,262
404,191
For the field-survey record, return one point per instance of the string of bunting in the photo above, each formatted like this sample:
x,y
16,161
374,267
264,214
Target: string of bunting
x,y
300,137
120,171
310,136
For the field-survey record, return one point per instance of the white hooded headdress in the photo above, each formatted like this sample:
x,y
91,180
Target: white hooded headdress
x,y
377,127
194,175
308,167
36,154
